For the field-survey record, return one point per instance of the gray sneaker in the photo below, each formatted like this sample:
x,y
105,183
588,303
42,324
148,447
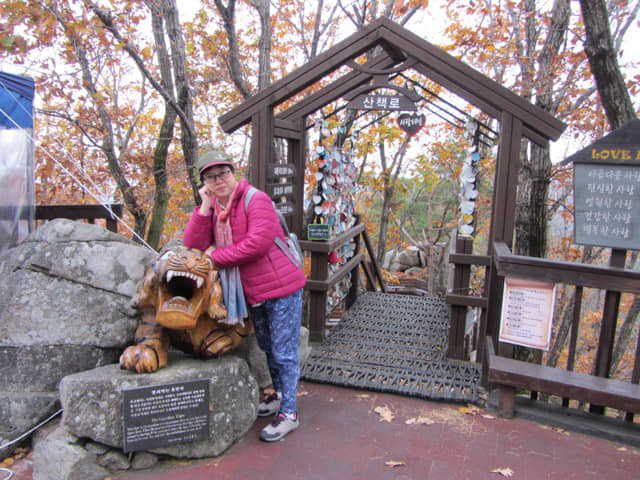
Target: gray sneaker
x,y
281,426
269,405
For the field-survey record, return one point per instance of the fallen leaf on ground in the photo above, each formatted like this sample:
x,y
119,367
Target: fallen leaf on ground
x,y
302,393
555,429
505,472
386,415
393,464
621,449
420,421
363,395
470,409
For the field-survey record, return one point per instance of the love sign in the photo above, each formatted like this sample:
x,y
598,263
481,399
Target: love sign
x,y
411,123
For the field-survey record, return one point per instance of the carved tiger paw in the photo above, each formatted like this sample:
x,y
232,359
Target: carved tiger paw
x,y
141,359
221,340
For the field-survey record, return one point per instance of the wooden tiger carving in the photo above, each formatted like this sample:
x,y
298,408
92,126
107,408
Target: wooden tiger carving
x,y
180,299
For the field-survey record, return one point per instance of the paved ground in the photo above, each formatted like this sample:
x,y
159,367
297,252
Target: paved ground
x,y
353,434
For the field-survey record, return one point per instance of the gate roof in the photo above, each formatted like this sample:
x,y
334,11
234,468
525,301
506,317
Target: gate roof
x,y
399,45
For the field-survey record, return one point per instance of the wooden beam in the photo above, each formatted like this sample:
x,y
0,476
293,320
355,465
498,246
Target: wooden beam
x,y
337,89
287,129
464,80
580,274
435,63
303,77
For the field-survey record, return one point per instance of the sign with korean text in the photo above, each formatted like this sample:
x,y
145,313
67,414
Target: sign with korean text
x,y
606,181
285,208
527,312
277,190
280,170
318,231
411,123
164,415
382,102
607,205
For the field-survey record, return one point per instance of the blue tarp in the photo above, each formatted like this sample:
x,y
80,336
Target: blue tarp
x,y
16,101
17,193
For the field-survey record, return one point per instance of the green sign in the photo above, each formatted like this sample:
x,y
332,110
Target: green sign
x,y
318,231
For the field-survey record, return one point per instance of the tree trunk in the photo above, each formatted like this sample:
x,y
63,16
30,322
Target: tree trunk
x,y
603,61
163,141
188,139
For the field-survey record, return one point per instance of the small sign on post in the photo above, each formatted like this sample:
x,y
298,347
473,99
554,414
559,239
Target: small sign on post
x,y
382,102
163,415
280,170
318,231
527,312
276,190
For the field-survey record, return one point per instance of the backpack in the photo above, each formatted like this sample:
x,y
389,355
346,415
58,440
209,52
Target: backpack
x,y
291,248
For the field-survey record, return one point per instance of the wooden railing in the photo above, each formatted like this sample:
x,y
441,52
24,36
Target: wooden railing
x,y
91,213
460,297
319,282
515,374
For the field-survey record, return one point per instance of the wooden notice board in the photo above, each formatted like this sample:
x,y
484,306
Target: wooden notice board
x,y
527,312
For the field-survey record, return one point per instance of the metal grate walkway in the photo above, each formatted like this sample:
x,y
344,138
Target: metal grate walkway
x,y
396,344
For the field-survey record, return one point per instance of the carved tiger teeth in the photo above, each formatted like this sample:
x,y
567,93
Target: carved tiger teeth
x,y
175,273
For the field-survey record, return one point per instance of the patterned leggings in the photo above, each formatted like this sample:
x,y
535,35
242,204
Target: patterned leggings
x,y
277,325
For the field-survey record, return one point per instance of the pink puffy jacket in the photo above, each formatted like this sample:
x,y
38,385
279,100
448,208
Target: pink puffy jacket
x,y
266,272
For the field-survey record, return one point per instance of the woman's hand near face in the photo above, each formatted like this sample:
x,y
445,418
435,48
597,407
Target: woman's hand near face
x,y
207,200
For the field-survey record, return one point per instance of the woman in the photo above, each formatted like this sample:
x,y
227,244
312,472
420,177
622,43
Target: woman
x,y
271,282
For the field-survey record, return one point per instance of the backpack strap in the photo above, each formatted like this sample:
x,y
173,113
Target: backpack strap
x,y
247,197
278,241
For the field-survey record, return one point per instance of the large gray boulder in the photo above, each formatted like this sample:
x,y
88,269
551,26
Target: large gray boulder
x,y
64,308
92,402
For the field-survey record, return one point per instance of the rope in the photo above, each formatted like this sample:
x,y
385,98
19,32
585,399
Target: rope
x,y
29,432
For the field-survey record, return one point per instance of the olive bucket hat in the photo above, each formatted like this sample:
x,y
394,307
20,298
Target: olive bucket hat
x,y
213,158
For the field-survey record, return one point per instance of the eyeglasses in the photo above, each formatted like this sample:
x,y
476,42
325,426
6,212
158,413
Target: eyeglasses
x,y
213,177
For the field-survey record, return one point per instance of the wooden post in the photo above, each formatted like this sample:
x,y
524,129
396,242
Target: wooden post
x,y
461,276
608,326
318,299
502,221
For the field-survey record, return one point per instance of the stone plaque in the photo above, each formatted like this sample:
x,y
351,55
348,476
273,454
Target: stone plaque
x,y
165,415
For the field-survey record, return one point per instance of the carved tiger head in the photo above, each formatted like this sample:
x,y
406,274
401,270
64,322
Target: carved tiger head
x,y
181,285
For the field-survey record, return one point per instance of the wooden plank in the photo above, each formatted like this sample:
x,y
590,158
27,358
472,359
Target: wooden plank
x,y
578,386
287,129
467,300
579,274
469,259
76,212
